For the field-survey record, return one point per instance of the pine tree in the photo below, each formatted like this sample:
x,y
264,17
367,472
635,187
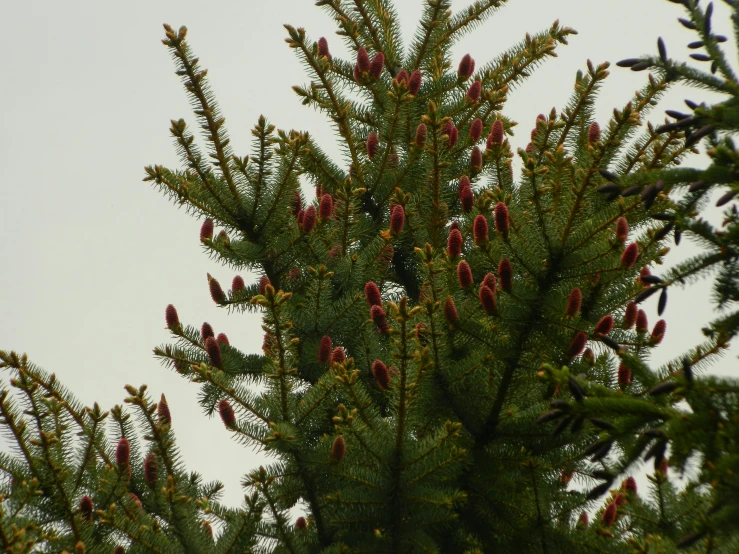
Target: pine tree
x,y
453,360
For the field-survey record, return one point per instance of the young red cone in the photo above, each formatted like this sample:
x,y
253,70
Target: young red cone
x,y
263,282
363,61
454,244
381,374
464,274
338,356
151,469
476,130
630,315
402,77
574,302
373,144
450,310
237,285
206,331
628,258
326,207
577,345
583,520
86,508
609,516
323,49
397,219
629,485
324,349
378,62
213,351
309,219
502,221
297,203
487,299
377,314
505,274
123,452
473,93
372,294
466,197
228,417
222,339
301,523
642,324
453,135
414,82
170,315
338,449
495,138
593,133
421,135
622,229
658,333
216,292
480,229
466,67
604,326
206,230
490,281
163,414
476,159
119,550
624,376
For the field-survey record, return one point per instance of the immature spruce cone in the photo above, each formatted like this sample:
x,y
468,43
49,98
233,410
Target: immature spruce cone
x,y
163,414
119,550
377,314
609,515
658,333
630,315
324,349
206,230
373,144
577,345
473,93
213,351
453,135
378,62
502,221
151,469
86,508
363,61
476,130
216,292
466,67
170,315
495,138
301,523
397,219
583,520
309,219
628,258
414,82
323,49
421,134
450,310
624,376
338,356
604,326
263,282
464,274
476,159
629,485
372,294
593,132
326,207
487,299
622,229
642,325
490,281
466,196
123,452
480,229
574,302
454,244
237,285
222,339
297,202
402,77
381,374
505,274
206,331
227,414
338,449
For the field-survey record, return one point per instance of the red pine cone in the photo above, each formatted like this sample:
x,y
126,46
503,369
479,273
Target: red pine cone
x,y
237,285
604,326
151,469
476,130
214,352
453,135
476,159
609,516
473,93
228,417
574,302
505,274
323,49
624,375
577,345
622,229
338,449
326,207
464,274
454,244
658,333
421,134
163,414
593,132
378,62
206,331
490,281
263,282
338,356
216,292
583,520
372,294
86,508
466,197
450,310
414,82
377,314
170,315
642,325
628,258
373,144
630,315
222,338
466,67
301,523
123,452
588,356
309,219
480,229
502,221
487,299
629,485
206,230
381,374
397,219
495,137
402,77
324,349
363,61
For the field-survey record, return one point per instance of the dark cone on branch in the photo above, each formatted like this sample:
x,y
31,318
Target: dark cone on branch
x,y
466,197
630,315
214,352
324,349
604,326
377,314
476,130
170,315
622,229
624,376
86,508
397,219
574,302
206,331
228,417
216,292
338,356
381,374
373,144
487,299
309,219
505,275
326,207
163,414
495,138
454,244
594,133
631,253
323,49
577,345
378,62
372,294
301,523
123,452
450,310
466,67
473,93
263,282
206,230
338,449
363,60
151,469
658,333
480,229
421,135
642,325
222,339
464,274
237,285
414,82
476,159
502,221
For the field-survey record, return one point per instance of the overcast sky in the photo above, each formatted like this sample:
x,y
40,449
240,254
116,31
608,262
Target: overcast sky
x,y
91,255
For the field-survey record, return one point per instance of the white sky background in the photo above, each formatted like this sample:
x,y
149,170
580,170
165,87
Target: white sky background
x,y
91,255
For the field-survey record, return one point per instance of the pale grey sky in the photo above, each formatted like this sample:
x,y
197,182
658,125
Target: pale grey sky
x,y
92,255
